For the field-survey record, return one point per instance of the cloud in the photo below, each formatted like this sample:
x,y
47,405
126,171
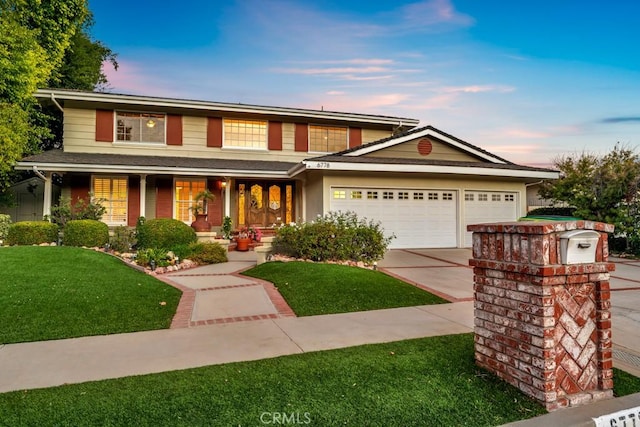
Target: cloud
x,y
433,13
623,119
334,70
478,89
337,101
512,148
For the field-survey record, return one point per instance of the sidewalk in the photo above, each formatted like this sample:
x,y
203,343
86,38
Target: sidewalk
x,y
52,363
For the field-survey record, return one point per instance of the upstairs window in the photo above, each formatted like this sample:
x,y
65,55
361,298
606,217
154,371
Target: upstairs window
x,y
245,133
140,127
327,139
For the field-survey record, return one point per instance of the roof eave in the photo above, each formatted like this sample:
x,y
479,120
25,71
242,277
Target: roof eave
x,y
222,107
148,170
427,131
440,169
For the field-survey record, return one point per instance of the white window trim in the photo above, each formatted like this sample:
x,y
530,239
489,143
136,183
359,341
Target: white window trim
x,y
173,193
325,126
235,147
112,223
116,141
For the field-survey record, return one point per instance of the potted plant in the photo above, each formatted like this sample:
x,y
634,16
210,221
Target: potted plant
x,y
226,227
199,209
246,236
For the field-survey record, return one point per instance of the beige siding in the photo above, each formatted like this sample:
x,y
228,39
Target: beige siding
x,y
150,202
369,135
409,149
288,137
314,193
79,137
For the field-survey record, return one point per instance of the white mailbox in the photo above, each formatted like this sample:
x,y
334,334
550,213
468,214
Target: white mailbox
x,y
578,246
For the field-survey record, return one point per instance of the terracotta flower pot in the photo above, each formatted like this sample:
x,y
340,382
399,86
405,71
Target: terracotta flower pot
x,y
201,224
242,244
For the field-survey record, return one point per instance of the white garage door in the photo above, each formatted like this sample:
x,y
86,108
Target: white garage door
x,y
488,206
418,218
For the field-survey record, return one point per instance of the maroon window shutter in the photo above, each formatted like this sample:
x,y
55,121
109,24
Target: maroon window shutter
x,y
174,129
104,125
133,204
214,132
275,135
214,207
164,198
302,137
355,137
80,188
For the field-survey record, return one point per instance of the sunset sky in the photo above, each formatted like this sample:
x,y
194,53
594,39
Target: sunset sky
x,y
528,81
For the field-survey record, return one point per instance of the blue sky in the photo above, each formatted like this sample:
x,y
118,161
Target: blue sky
x,y
529,81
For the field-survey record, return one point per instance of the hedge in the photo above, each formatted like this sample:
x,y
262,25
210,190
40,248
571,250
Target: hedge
x,y
85,232
164,233
32,233
5,222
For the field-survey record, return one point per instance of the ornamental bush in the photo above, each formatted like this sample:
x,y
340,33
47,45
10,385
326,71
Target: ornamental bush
x,y
207,253
5,222
337,236
32,233
123,239
85,232
163,233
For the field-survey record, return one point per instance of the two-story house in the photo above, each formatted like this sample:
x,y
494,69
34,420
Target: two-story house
x,y
149,156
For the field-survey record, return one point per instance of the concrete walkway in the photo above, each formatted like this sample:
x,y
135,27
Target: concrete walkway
x,y
223,317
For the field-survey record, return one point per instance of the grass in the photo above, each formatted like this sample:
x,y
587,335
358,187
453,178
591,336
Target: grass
x,y
423,382
63,292
312,289
625,383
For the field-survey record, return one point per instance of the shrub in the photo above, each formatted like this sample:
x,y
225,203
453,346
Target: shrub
x,y
157,255
164,233
123,239
86,232
5,222
82,209
559,211
337,236
32,233
207,253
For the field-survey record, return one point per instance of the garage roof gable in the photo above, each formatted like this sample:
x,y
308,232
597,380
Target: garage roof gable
x,y
425,142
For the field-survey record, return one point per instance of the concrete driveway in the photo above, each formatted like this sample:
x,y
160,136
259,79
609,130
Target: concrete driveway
x,y
446,272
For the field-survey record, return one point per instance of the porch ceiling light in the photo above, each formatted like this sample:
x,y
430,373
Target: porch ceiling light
x,y
151,123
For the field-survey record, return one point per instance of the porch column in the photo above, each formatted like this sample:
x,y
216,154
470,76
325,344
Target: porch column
x,y
143,195
48,192
227,197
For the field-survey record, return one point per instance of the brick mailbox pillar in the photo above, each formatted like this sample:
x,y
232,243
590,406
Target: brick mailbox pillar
x,y
541,324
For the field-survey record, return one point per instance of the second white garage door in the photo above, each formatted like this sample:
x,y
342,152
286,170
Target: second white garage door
x,y
488,206
418,218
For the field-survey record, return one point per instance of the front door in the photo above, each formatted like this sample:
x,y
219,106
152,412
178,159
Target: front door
x,y
265,203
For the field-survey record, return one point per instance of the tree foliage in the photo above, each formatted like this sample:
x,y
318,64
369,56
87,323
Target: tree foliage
x,y
42,43
602,188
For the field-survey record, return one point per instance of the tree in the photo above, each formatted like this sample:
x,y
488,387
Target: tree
x,y
82,69
34,36
602,188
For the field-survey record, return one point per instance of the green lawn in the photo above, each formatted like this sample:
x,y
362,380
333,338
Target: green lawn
x,y
312,289
423,382
63,292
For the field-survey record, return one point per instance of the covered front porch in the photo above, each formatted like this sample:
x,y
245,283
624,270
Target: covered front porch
x,y
252,193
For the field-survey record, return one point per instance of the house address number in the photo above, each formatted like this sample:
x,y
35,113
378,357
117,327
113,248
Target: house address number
x,y
625,418
323,165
